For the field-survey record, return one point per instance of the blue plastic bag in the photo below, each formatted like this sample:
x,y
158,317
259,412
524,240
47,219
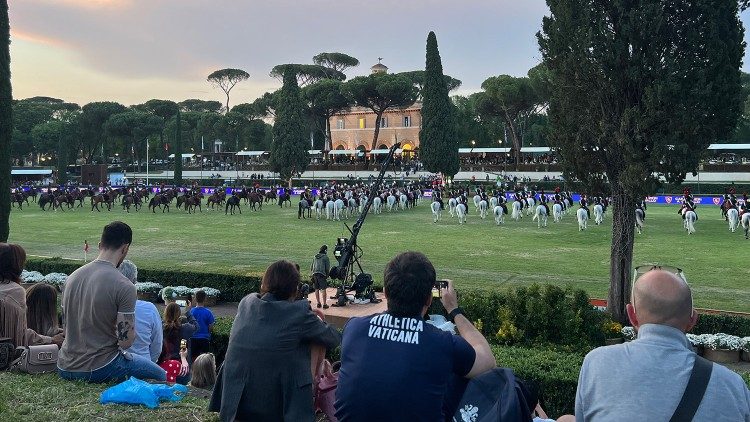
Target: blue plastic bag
x,y
135,391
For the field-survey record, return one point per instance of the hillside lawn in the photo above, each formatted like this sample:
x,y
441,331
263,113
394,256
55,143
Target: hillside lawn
x,y
478,254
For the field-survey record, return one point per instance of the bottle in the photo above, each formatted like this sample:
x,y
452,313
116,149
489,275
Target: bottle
x,y
183,344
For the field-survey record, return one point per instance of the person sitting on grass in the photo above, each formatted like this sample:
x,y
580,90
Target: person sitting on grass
x,y
174,355
41,309
200,342
204,372
148,332
13,310
99,307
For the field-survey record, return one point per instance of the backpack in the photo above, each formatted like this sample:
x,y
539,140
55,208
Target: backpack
x,y
7,353
494,396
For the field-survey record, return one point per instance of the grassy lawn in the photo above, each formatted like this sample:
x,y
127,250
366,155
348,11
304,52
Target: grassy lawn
x,y
48,397
477,254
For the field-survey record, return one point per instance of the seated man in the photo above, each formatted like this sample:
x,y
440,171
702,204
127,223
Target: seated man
x,y
396,367
149,334
99,308
645,379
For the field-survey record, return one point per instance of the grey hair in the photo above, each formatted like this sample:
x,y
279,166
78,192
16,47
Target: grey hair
x,y
129,270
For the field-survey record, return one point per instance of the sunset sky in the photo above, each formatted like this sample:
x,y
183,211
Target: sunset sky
x,y
134,50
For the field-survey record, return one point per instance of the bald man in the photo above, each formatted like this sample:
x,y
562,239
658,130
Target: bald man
x,y
646,378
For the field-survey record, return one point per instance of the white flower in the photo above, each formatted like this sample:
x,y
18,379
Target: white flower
x,y
57,279
210,291
721,341
148,287
629,333
32,276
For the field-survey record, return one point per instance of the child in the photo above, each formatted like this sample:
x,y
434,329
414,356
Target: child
x,y
200,342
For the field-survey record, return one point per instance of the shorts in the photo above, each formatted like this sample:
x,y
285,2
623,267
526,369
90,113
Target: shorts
x,y
320,281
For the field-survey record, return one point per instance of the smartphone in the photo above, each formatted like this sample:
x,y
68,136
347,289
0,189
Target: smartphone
x,y
183,344
182,303
437,288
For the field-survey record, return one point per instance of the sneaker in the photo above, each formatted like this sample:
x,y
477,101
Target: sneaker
x,y
325,306
318,305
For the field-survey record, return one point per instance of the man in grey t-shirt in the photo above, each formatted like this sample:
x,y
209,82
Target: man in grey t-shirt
x,y
99,307
645,379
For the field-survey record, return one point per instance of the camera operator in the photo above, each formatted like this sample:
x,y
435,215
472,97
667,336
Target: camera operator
x,y
320,267
395,366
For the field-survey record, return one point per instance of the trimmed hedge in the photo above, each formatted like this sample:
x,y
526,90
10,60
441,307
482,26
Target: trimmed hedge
x,y
729,324
233,287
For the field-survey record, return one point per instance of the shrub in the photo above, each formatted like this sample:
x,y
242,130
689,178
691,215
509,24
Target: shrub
x,y
731,324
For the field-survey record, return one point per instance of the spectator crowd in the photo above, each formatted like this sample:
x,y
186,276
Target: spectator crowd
x,y
395,366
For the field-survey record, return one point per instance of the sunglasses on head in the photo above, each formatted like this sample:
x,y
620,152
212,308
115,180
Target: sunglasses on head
x,y
643,269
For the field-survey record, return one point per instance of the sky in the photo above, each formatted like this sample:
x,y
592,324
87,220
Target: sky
x,y
131,51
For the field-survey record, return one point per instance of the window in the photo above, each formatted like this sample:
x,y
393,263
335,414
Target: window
x,y
340,124
407,121
383,122
362,123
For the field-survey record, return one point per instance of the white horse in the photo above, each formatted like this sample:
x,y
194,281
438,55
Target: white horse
x,y
483,209
516,214
477,198
746,223
690,217
493,202
639,220
452,206
583,219
734,219
338,209
377,205
330,210
436,212
351,207
598,214
541,216
318,205
557,211
403,201
499,215
362,202
529,205
461,213
391,201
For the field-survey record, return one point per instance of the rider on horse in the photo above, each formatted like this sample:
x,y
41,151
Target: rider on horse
x,y
688,204
543,201
437,196
519,196
584,203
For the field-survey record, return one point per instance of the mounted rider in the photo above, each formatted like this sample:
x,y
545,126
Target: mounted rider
x,y
584,203
437,196
641,205
519,196
543,201
688,203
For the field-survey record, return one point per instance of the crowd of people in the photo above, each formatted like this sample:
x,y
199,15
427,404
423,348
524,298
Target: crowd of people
x,y
395,365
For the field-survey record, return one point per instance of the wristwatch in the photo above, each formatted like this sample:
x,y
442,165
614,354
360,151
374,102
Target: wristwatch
x,y
454,313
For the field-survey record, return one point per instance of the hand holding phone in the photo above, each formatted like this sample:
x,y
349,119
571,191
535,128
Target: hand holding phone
x,y
438,287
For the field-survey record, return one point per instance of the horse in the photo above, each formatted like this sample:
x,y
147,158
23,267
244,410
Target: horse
x,y
191,202
482,209
302,207
639,216
452,206
476,200
232,203
318,205
44,200
161,201
403,201
362,201
598,214
391,201
285,197
130,200
541,216
338,209
330,210
254,199
377,205
351,207
461,213
690,217
530,202
493,202
734,219
498,211
516,214
214,200
19,199
436,212
583,219
95,201
270,195
557,211
746,223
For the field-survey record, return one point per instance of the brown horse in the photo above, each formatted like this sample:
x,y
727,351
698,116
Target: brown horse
x,y
192,201
255,198
215,199
18,198
161,201
271,195
102,198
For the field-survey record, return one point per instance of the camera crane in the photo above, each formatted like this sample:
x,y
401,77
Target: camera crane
x,y
348,253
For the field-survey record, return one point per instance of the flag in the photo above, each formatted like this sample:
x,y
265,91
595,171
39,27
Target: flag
x,y
86,246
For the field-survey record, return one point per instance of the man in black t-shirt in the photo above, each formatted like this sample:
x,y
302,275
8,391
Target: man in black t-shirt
x,y
397,367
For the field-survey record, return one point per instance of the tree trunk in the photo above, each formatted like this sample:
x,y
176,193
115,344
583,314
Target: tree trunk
x,y
227,111
378,116
6,121
621,258
329,136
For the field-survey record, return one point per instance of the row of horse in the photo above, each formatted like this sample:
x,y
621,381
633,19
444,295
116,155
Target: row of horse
x,y
350,203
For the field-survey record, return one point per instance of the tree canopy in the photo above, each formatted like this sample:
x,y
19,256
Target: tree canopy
x,y
339,62
306,74
226,79
324,99
289,147
438,142
200,106
639,89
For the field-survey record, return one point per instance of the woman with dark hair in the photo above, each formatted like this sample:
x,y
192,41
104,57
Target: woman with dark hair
x,y
266,375
13,300
173,357
41,309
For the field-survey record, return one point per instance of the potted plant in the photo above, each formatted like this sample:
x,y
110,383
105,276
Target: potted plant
x,y
697,342
148,291
171,294
612,333
722,348
212,295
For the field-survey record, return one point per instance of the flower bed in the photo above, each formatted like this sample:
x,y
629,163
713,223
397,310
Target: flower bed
x,y
171,294
148,291
212,295
29,278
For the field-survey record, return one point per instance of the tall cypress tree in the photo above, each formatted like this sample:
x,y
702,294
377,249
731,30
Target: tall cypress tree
x,y
289,147
6,121
178,150
438,142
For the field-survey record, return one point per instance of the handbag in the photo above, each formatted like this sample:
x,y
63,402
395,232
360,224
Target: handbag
x,y
325,391
36,359
7,353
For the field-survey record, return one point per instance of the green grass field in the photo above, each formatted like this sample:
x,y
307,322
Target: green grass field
x,y
477,254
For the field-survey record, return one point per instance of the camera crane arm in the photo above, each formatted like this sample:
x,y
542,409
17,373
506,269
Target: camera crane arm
x,y
349,251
